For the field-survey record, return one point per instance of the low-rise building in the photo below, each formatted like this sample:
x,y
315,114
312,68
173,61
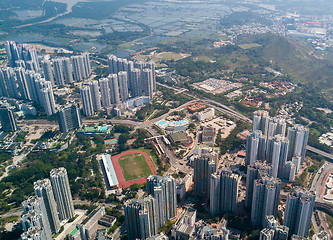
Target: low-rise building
x,y
208,136
205,231
205,114
180,138
88,228
184,228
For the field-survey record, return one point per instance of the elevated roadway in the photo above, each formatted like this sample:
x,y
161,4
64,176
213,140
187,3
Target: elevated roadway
x,y
320,152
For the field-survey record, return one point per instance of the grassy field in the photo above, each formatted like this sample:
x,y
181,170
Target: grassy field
x,y
152,156
248,45
163,56
134,167
202,58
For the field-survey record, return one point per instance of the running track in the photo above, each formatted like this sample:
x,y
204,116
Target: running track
x,y
117,169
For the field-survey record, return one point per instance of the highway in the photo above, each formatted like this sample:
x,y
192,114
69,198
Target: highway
x,y
322,153
229,111
219,106
318,185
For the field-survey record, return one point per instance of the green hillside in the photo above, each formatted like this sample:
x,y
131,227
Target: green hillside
x,y
296,59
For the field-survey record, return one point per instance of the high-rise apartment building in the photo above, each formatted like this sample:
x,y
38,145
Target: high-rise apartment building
x,y
95,95
34,234
58,70
31,78
276,154
28,53
62,193
204,166
69,118
152,66
276,126
9,79
114,88
87,103
105,92
141,218
113,64
123,87
22,83
31,66
3,85
81,67
67,70
135,81
253,172
273,230
147,82
298,213
35,216
265,201
224,192
7,119
47,100
298,139
87,65
260,121
12,52
164,190
255,147
20,63
43,189
47,69
139,64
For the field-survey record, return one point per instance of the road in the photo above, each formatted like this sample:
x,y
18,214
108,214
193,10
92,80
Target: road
x,y
219,106
322,153
318,185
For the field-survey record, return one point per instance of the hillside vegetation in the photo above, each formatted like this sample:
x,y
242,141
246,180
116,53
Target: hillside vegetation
x,y
295,58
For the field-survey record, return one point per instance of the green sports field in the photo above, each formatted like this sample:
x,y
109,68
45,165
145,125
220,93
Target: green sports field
x,y
134,167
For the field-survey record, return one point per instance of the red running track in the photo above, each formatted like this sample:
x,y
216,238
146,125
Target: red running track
x,y
117,169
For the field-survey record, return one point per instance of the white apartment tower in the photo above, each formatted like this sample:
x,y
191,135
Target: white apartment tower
x,y
62,193
43,189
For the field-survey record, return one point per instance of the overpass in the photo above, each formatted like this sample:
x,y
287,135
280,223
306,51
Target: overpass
x,y
324,207
154,137
322,153
219,106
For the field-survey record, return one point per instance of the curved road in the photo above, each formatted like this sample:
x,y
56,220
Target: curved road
x,y
318,185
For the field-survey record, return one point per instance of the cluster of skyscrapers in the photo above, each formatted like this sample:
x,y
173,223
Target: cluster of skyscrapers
x,y
270,156
268,143
21,55
51,204
25,84
218,186
32,78
297,218
125,79
62,71
143,217
141,76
